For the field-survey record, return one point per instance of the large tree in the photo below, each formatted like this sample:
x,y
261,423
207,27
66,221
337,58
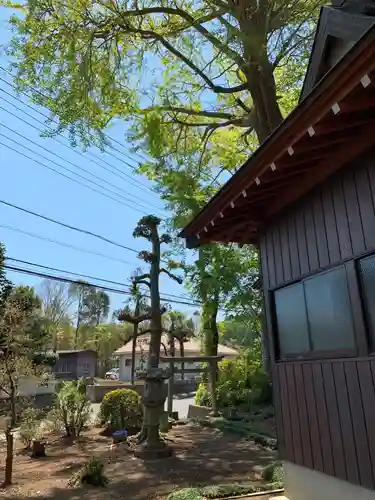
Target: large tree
x,y
200,84
219,60
96,307
56,303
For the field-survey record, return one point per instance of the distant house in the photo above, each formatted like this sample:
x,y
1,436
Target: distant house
x,y
75,363
191,348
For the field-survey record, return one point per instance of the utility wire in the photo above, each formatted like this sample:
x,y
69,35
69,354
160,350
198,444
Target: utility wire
x,y
54,120
73,228
90,277
113,168
67,245
68,226
69,280
2,125
38,162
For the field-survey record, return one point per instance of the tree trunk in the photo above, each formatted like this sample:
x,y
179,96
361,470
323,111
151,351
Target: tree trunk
x,y
9,458
253,24
134,340
156,324
182,354
134,346
171,379
263,92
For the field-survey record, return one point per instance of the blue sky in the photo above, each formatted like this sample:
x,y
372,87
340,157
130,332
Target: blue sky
x,y
30,185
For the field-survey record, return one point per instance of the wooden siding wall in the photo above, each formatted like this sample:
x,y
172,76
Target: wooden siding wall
x,y
328,412
325,409
333,224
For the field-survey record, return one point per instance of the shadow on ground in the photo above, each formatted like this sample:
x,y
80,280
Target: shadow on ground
x,y
201,457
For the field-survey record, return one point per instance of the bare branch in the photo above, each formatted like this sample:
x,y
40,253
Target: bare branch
x,y
171,275
190,112
142,279
134,320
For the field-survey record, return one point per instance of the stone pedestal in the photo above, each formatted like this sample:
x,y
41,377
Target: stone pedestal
x,y
154,396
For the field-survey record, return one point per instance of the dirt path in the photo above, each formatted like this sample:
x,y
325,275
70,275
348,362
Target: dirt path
x,y
201,456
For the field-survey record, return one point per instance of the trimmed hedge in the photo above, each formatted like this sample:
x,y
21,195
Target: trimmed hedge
x,y
121,409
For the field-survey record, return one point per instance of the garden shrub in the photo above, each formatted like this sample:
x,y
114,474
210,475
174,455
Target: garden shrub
x,y
121,409
186,494
30,426
241,382
72,409
222,491
91,473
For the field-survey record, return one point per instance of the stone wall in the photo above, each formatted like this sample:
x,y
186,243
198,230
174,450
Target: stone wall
x,y
96,392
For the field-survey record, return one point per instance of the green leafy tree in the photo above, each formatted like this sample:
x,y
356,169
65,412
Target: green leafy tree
x,y
95,308
21,340
225,73
80,59
79,290
56,304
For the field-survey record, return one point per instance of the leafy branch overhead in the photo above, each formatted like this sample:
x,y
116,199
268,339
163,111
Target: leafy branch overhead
x,y
222,64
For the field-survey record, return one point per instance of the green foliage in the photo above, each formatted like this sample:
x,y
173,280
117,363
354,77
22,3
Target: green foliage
x,y
72,409
223,491
241,381
273,472
95,307
5,284
121,409
30,426
92,473
187,494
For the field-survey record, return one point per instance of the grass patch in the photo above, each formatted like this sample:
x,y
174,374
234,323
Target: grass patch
x,y
222,491
240,428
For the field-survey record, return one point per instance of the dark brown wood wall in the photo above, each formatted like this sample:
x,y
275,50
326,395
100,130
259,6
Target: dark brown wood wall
x,y
333,224
325,409
328,415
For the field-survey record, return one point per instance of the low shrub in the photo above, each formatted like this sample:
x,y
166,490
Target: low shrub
x,y
72,410
30,426
241,382
186,494
91,473
121,409
222,491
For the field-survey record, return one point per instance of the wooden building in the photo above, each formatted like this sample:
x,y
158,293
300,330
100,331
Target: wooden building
x,y
306,197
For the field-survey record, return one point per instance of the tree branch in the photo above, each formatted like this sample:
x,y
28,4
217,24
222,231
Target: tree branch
x,y
134,320
190,112
153,35
171,275
196,24
143,279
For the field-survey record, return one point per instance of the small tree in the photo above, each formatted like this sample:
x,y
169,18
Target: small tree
x,y
148,228
15,362
140,314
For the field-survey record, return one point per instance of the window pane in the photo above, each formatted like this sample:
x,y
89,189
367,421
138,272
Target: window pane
x,y
367,267
329,311
292,320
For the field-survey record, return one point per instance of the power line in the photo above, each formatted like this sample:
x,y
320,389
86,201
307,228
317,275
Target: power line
x,y
42,95
68,226
89,277
112,168
38,162
67,245
88,284
71,163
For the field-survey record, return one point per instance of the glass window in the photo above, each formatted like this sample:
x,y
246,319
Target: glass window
x,y
292,320
367,268
329,311
316,315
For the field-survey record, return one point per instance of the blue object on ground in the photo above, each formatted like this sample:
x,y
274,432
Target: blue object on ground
x,y
121,434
